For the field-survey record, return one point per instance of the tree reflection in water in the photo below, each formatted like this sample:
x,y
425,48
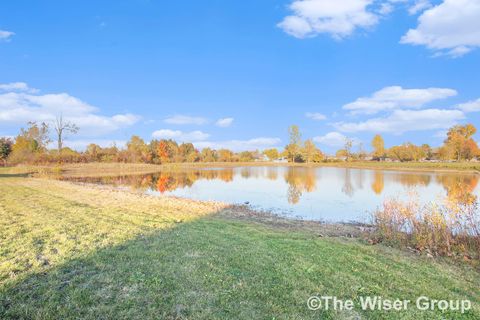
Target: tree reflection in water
x,y
348,188
459,188
378,182
299,180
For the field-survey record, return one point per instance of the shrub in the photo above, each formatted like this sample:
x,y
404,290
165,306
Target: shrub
x,y
451,228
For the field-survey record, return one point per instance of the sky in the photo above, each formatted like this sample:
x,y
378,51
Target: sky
x,y
236,74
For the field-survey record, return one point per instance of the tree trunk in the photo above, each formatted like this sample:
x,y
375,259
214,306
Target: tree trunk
x,y
59,142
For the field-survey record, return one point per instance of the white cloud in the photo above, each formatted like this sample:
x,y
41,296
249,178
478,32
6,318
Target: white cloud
x,y
181,119
6,35
337,18
401,121
334,140
21,107
471,106
315,116
397,97
442,134
419,6
180,135
452,28
17,86
241,145
385,8
224,122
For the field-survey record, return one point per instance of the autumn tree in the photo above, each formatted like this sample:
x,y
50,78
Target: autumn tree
x,y
225,155
110,154
5,149
167,150
188,153
378,146
341,153
93,152
137,150
62,128
30,142
361,154
272,154
311,153
294,147
460,142
407,152
246,156
208,155
427,151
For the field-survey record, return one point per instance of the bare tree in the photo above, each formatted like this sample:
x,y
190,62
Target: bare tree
x,y
61,128
348,148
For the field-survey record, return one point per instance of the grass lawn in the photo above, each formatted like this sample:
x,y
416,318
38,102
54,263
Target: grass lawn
x,y
69,251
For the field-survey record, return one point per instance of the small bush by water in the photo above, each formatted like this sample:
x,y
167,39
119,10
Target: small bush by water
x,y
448,228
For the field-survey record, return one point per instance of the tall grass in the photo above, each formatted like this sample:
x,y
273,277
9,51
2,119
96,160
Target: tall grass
x,y
448,228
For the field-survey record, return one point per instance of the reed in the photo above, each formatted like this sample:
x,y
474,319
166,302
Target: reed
x,y
447,228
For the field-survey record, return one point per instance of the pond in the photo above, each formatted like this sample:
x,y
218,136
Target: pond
x,y
312,193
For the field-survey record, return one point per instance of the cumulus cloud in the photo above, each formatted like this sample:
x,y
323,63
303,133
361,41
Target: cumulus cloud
x,y
180,135
471,106
6,35
182,119
241,145
224,122
17,86
315,116
452,28
337,18
397,97
401,121
334,139
21,107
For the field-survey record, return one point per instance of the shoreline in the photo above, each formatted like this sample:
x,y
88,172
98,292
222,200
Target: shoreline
x,y
234,211
116,169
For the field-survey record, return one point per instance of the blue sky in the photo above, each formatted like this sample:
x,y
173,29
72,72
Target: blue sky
x,y
404,68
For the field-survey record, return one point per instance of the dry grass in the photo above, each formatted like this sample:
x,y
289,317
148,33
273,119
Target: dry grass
x,y
451,228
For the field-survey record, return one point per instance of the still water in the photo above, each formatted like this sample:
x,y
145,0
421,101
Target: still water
x,y
327,194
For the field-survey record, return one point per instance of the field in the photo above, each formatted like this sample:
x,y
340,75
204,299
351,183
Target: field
x,y
73,251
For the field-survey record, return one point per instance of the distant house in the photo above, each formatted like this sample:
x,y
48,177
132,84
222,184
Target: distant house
x,y
281,160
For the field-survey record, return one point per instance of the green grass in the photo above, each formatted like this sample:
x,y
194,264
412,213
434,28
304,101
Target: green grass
x,y
69,252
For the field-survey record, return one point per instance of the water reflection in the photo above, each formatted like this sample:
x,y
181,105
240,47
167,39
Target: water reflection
x,y
315,189
378,182
460,188
299,180
413,180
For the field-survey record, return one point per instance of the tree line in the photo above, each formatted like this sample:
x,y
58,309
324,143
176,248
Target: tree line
x,y
30,146
458,146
